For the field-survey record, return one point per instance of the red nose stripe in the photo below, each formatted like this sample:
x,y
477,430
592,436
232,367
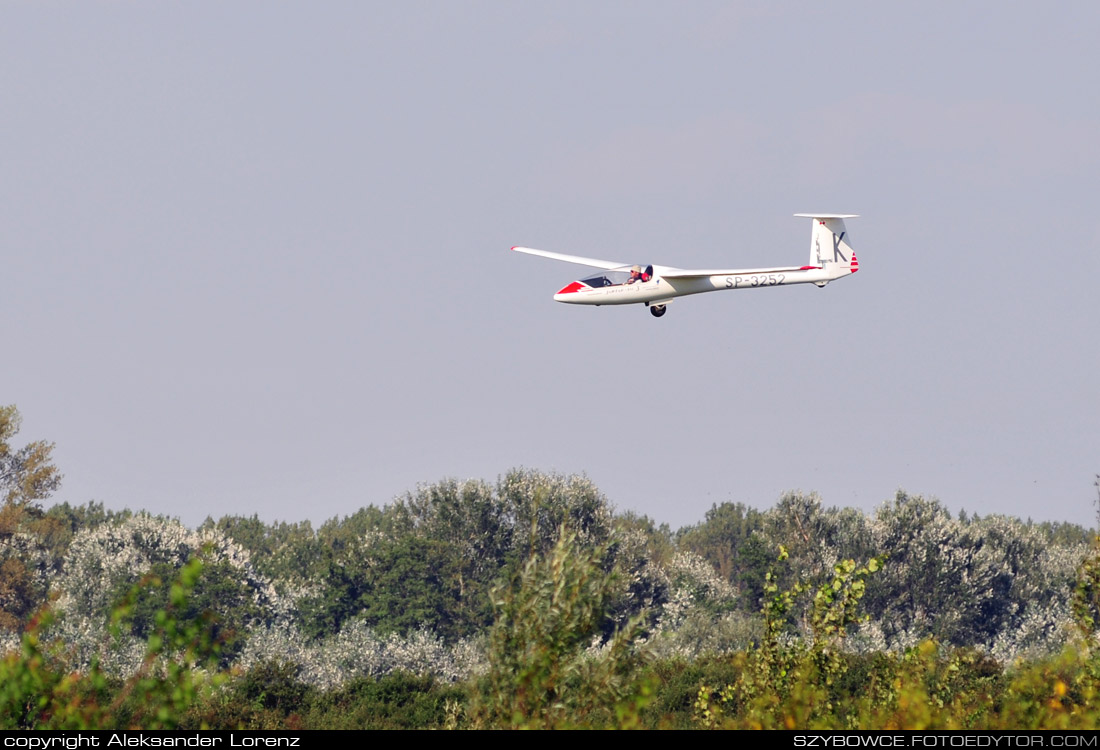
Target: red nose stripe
x,y
576,286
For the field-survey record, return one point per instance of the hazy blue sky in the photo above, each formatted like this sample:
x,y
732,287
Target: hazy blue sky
x,y
255,254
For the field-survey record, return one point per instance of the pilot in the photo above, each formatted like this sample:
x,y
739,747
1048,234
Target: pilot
x,y
637,274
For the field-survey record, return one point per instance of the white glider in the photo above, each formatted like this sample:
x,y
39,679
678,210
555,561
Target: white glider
x,y
831,257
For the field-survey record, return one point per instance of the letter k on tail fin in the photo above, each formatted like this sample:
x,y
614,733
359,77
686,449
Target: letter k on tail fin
x,y
829,248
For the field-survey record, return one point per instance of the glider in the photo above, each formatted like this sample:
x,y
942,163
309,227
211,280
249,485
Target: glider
x,y
831,257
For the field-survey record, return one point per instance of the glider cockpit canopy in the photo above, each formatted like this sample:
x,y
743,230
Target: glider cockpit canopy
x,y
616,276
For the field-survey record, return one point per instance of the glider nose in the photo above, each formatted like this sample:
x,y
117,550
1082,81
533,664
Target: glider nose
x,y
565,294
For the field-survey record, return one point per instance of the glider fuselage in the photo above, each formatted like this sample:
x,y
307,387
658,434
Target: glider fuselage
x,y
661,288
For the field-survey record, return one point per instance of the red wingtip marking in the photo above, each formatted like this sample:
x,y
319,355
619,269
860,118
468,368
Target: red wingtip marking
x,y
809,268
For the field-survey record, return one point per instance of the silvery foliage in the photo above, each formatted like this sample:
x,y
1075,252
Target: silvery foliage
x,y
9,642
816,538
806,530
640,584
868,638
996,583
698,616
1043,577
524,506
1043,629
103,559
357,651
539,504
693,583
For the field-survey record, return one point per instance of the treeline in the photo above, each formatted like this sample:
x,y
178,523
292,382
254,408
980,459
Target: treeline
x,y
529,601
425,565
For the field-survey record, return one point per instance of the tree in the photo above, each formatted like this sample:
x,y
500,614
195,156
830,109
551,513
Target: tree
x,y
396,586
39,691
548,666
105,562
984,582
27,476
731,540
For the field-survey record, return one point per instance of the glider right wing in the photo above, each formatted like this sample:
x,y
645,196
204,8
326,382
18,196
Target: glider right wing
x,y
594,262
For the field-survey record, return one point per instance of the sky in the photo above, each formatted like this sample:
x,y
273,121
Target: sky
x,y
254,256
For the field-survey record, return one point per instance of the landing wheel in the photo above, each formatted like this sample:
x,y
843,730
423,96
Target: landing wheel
x,y
657,310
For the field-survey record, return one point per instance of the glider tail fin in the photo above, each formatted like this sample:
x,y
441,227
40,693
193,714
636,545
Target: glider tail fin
x,y
829,244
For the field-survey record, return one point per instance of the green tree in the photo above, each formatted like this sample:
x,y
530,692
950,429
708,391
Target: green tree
x,y
38,690
723,538
547,668
219,600
785,677
396,586
289,552
436,553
